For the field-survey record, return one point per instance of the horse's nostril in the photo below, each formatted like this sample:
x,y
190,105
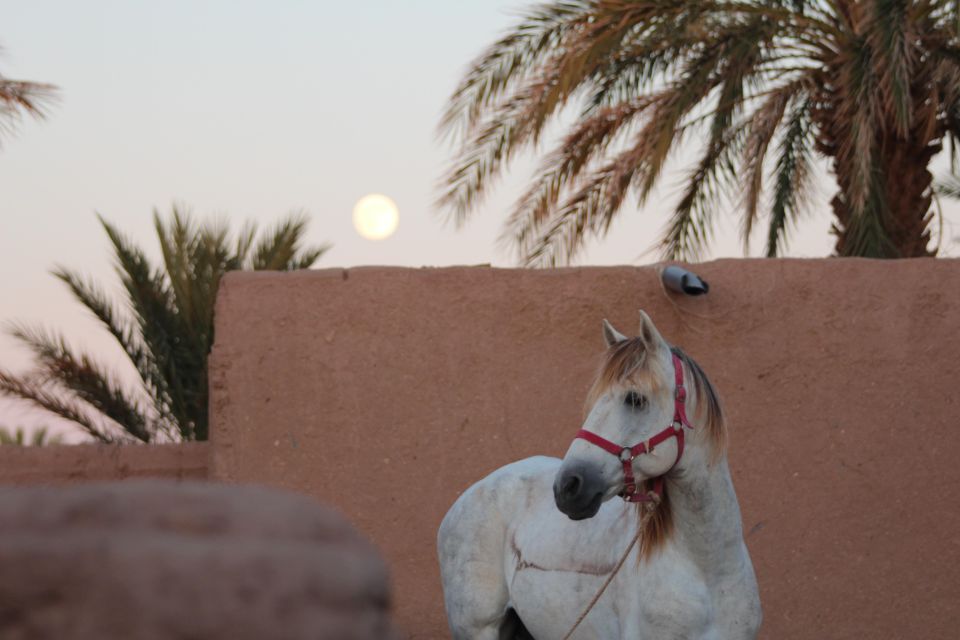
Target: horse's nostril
x,y
571,486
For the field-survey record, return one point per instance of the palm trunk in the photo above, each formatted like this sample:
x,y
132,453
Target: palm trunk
x,y
895,219
901,217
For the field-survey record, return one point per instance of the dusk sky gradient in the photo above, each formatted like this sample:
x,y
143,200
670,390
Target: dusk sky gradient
x,y
250,110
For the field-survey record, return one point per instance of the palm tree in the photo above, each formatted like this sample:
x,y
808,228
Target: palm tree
x,y
167,334
18,437
19,97
871,86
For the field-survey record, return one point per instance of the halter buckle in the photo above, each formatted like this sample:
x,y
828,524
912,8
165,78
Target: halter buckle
x,y
626,455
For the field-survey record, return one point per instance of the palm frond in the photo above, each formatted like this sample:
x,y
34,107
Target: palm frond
x,y
565,60
564,165
40,437
307,257
589,209
178,245
858,107
12,437
153,305
948,186
19,98
793,172
763,127
691,224
651,52
478,165
43,438
245,238
88,381
280,249
95,300
508,61
39,393
893,58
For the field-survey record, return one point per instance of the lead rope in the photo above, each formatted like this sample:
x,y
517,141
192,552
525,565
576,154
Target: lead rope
x,y
610,578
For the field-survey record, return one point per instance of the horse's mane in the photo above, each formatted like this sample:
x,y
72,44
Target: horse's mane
x,y
628,359
709,415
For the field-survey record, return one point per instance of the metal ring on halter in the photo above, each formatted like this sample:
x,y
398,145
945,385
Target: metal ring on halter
x,y
626,455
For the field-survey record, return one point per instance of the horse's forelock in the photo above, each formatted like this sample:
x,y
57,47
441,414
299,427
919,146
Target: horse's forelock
x,y
624,360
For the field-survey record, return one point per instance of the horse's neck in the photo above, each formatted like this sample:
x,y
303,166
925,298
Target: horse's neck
x,y
707,517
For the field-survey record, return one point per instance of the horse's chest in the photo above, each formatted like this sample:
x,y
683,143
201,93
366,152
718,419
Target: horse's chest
x,y
660,600
666,598
672,599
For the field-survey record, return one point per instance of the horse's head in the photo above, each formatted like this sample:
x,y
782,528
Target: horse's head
x,y
633,403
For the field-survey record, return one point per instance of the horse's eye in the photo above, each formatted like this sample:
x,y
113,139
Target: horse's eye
x,y
634,400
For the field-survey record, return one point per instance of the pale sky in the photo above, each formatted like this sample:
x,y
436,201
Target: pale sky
x,y
250,110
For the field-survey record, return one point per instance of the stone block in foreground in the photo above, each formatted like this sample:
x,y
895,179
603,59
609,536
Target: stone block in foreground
x,y
149,560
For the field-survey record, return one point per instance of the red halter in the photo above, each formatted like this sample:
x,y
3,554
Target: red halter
x,y
631,492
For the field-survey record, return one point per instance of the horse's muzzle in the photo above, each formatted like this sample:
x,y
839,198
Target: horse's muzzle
x,y
578,492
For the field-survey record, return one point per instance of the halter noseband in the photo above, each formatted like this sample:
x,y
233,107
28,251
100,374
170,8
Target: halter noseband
x,y
631,491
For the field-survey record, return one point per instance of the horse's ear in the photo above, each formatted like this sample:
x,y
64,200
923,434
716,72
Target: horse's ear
x,y
648,331
611,335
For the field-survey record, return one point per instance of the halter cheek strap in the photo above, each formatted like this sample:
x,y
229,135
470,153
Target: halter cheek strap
x,y
631,491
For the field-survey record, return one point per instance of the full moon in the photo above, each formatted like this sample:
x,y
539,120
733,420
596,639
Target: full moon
x,y
375,216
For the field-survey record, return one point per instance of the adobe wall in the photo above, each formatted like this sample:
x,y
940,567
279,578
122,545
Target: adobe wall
x,y
69,464
385,392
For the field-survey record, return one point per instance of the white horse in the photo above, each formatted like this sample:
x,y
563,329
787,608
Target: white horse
x,y
525,550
